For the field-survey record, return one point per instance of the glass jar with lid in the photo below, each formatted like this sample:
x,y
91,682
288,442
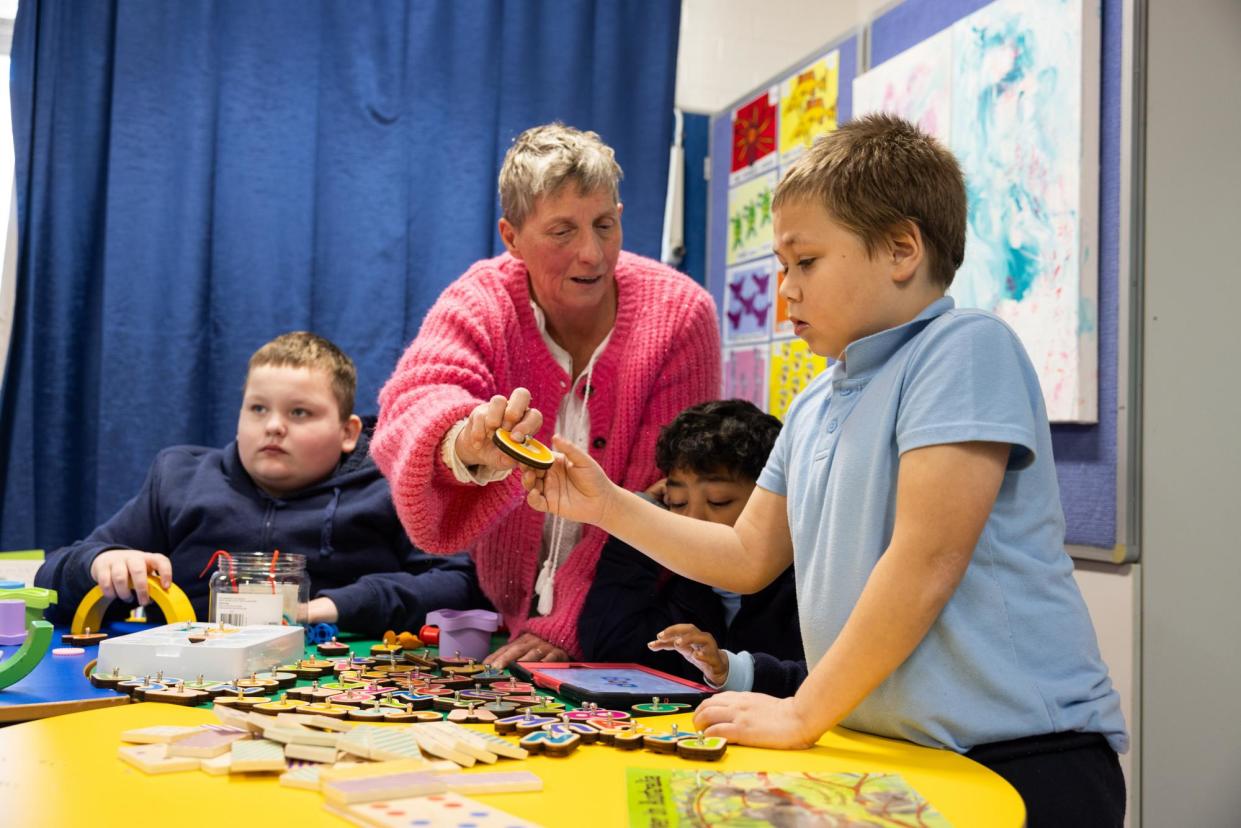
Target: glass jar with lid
x,y
259,588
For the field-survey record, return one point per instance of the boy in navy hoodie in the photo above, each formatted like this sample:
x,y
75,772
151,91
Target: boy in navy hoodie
x,y
711,453
298,478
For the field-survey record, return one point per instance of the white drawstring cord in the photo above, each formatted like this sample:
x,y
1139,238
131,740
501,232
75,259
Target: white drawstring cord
x,y
545,584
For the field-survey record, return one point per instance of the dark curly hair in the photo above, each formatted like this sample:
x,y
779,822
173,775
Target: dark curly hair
x,y
732,435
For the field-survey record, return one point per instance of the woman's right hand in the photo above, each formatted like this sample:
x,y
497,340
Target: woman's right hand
x,y
474,446
575,487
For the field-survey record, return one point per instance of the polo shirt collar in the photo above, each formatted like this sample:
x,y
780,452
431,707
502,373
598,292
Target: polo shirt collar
x,y
868,354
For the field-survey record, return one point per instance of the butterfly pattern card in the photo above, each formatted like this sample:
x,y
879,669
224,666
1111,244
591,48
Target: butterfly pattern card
x,y
747,301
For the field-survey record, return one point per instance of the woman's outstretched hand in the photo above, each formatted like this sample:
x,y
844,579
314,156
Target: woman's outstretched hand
x,y
575,487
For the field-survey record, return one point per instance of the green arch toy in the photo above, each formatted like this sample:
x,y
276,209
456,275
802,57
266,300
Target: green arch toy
x,y
38,633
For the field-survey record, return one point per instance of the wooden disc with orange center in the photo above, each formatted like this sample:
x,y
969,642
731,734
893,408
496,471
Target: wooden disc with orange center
x,y
531,452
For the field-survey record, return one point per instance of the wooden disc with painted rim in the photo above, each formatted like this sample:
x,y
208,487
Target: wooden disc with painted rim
x,y
531,452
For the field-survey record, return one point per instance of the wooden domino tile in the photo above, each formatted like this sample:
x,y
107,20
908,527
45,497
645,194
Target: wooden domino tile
x,y
155,759
305,777
492,782
158,735
372,788
257,755
301,736
206,742
310,753
489,741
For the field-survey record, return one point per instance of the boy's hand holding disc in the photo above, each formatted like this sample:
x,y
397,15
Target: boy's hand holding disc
x,y
575,487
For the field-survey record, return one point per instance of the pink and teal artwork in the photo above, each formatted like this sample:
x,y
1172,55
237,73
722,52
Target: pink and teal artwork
x,y
1025,125
916,84
1013,89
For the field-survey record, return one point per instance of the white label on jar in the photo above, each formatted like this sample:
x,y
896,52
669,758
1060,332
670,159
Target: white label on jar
x,y
238,609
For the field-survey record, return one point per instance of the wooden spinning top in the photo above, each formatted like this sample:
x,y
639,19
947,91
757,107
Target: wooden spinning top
x,y
374,713
84,639
530,451
109,680
702,748
333,648
283,705
657,708
178,694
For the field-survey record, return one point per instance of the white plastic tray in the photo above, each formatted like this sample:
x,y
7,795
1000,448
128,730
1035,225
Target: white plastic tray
x,y
222,657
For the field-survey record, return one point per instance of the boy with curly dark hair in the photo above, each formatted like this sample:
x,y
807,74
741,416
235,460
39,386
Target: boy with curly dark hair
x,y
637,611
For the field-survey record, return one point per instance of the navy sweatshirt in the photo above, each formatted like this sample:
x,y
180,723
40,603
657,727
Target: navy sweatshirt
x,y
196,500
633,598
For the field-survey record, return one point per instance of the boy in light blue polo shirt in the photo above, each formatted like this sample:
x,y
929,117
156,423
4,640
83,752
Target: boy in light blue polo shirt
x,y
914,490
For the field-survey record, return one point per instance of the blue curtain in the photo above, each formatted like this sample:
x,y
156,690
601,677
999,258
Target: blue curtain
x,y
196,177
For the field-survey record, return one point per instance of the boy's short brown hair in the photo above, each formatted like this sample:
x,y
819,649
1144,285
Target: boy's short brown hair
x,y
302,349
876,172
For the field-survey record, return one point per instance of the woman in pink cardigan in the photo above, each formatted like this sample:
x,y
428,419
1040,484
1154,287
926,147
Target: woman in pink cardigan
x,y
609,344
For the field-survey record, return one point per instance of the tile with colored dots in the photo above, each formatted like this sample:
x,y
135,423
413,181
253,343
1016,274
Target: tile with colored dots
x,y
446,810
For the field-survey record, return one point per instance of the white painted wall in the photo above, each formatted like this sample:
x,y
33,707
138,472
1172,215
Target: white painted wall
x,y
729,47
1191,609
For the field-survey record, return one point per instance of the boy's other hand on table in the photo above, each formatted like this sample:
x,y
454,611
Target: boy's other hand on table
x,y
322,609
755,719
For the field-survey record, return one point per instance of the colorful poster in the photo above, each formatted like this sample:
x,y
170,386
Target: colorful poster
x,y
684,798
747,301
754,136
793,365
916,85
808,105
745,374
782,325
749,219
1027,139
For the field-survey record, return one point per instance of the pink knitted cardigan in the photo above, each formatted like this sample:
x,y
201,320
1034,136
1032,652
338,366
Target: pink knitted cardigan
x,y
481,339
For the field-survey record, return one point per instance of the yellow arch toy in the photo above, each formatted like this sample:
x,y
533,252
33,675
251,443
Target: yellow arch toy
x,y
172,602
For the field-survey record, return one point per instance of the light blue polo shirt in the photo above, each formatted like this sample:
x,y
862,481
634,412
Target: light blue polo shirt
x,y
1013,653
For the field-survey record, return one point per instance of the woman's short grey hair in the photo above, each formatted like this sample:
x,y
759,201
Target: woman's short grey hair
x,y
545,158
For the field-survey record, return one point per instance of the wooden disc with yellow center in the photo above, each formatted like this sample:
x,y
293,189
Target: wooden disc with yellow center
x,y
531,452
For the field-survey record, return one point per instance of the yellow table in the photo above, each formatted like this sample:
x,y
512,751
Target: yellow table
x,y
63,771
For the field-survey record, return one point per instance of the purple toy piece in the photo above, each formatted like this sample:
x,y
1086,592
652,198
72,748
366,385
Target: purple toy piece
x,y
12,622
467,632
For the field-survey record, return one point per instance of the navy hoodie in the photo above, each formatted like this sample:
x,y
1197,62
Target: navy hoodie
x,y
196,500
632,598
